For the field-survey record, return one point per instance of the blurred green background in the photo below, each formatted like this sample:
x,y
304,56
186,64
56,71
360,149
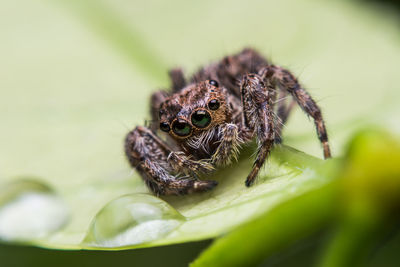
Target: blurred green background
x,y
75,77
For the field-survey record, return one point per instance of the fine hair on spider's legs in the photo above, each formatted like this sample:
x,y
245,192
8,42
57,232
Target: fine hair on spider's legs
x,y
229,145
183,164
149,154
200,141
283,78
258,115
177,160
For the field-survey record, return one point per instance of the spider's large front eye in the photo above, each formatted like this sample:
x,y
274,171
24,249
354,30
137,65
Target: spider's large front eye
x,y
213,104
201,118
181,128
164,126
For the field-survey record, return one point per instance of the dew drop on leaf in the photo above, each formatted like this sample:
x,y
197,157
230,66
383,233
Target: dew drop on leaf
x,y
131,220
29,210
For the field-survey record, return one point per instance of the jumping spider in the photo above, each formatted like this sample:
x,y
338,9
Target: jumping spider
x,y
224,105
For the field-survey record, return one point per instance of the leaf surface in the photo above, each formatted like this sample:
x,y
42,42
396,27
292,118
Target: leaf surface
x,y
76,77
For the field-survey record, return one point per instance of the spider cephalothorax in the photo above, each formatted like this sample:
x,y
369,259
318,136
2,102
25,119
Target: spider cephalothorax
x,y
197,108
224,105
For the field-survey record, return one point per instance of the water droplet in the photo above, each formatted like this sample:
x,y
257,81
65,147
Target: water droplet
x,y
29,210
131,220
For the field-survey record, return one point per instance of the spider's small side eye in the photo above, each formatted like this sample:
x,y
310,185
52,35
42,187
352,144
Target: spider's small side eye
x,y
181,128
213,104
164,126
214,83
201,118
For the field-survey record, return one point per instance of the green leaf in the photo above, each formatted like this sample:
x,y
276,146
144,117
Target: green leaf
x,y
369,199
359,204
77,77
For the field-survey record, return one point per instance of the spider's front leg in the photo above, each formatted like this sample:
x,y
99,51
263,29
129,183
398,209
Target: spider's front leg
x,y
284,79
149,155
229,144
184,164
259,117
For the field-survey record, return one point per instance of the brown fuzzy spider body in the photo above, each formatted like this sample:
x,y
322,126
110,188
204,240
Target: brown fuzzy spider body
x,y
224,105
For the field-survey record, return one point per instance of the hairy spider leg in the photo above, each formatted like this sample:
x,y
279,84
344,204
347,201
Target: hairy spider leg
x,y
286,80
152,158
258,115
